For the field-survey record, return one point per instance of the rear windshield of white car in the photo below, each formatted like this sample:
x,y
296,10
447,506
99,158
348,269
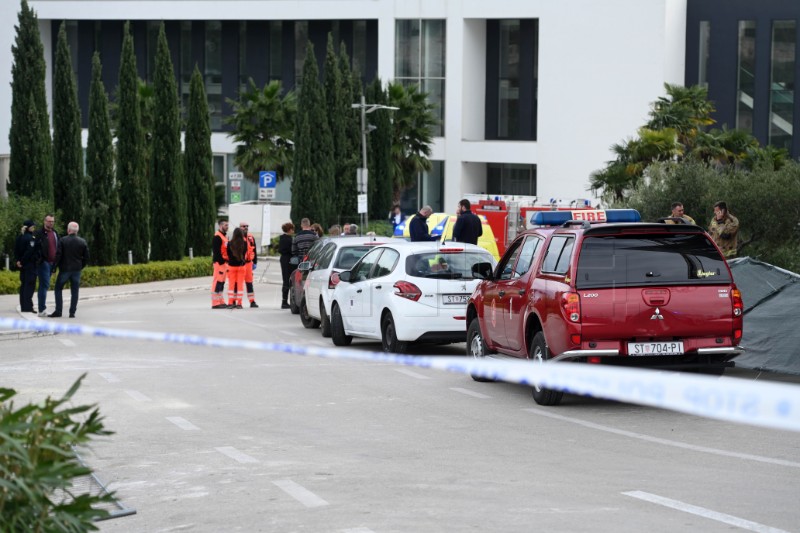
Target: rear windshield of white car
x,y
444,265
633,260
349,255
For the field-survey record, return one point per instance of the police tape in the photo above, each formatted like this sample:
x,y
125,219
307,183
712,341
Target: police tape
x,y
773,405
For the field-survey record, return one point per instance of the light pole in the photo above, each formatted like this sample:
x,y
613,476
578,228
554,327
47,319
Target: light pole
x,y
361,178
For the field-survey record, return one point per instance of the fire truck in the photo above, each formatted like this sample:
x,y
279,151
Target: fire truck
x,y
508,215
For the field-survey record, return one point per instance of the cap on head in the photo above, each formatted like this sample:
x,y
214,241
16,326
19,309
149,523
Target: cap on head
x,y
28,223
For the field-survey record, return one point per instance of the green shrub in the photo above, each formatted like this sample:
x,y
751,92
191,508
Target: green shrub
x,y
14,210
38,464
101,276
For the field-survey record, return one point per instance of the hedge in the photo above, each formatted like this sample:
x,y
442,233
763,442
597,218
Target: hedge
x,y
100,276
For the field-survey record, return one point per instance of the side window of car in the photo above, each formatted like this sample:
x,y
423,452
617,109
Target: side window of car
x,y
558,255
325,256
386,263
362,269
526,255
506,267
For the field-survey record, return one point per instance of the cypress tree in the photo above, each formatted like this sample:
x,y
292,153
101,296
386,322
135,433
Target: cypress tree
x,y
69,185
334,98
351,139
102,220
167,183
312,186
381,183
197,165
31,166
134,190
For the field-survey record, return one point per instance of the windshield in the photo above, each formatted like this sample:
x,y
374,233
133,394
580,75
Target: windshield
x,y
445,265
628,260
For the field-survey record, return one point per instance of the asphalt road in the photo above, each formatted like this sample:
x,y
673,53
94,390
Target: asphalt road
x,y
213,440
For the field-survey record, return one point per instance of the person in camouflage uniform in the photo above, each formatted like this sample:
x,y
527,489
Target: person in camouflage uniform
x,y
724,229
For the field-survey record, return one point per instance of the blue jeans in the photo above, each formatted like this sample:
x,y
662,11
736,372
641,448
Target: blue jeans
x,y
74,279
44,272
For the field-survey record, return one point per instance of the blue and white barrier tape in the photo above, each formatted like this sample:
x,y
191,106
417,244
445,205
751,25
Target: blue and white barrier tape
x,y
774,405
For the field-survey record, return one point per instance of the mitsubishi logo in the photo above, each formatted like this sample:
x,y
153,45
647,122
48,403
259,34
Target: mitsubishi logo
x,y
657,315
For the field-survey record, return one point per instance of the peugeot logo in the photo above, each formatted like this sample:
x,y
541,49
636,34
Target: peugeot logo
x,y
657,315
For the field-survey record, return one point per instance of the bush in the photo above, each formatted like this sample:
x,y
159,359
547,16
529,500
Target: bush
x,y
14,210
38,464
101,276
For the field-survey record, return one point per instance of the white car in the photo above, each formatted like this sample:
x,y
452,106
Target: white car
x,y
404,292
337,254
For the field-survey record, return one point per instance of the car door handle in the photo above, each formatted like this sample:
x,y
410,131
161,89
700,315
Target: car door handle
x,y
378,286
501,293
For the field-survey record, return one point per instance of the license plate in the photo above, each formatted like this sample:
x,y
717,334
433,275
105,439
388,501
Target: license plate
x,y
655,348
455,299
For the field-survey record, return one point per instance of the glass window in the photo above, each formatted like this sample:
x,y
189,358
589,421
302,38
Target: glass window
x,y
243,74
444,265
511,179
558,254
506,268
508,93
420,56
526,255
218,167
300,46
275,50
349,255
624,260
359,52
704,48
386,263
325,256
152,46
361,271
781,98
213,71
747,75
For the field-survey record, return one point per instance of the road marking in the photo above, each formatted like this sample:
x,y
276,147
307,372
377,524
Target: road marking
x,y
410,373
108,376
138,396
667,442
299,493
184,424
67,342
236,455
702,511
470,393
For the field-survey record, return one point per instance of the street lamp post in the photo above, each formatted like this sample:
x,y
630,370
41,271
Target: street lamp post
x,y
362,176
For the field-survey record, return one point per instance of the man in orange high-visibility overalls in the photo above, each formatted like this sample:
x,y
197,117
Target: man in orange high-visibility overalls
x,y
219,252
249,265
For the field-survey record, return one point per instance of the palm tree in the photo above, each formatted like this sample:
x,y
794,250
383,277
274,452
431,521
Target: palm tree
x,y
413,125
687,110
263,127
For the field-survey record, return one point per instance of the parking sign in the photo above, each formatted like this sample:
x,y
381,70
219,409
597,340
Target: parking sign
x,y
267,179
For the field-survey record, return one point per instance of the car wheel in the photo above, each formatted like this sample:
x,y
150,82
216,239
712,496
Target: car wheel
x,y
308,321
325,323
476,346
539,354
293,307
389,336
338,336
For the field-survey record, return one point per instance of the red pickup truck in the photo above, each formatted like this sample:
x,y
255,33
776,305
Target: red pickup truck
x,y
598,291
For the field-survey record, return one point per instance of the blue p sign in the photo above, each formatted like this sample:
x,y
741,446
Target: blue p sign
x,y
267,179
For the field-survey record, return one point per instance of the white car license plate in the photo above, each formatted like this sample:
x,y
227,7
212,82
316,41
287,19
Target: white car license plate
x,y
655,348
455,299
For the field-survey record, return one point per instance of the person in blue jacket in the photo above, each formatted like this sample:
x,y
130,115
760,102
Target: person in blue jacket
x,y
418,227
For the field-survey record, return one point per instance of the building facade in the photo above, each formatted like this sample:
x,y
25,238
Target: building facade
x,y
531,93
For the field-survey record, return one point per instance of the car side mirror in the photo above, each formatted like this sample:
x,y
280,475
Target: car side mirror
x,y
345,276
482,270
305,266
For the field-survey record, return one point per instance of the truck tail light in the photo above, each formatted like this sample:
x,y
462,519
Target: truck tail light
x,y
737,335
738,304
571,303
408,290
333,280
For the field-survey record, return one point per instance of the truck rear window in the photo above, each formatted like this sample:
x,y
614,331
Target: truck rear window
x,y
631,260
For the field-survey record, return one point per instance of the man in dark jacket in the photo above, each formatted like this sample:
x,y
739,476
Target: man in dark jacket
x,y
25,257
418,227
47,242
303,240
72,256
468,225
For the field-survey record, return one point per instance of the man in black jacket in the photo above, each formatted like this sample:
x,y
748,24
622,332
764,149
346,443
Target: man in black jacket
x,y
72,256
25,258
418,227
468,225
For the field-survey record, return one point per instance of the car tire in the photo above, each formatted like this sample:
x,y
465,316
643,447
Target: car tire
x,y
476,347
293,307
539,354
389,340
308,321
338,336
325,323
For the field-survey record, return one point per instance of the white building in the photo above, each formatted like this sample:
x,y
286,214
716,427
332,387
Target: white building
x,y
535,91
